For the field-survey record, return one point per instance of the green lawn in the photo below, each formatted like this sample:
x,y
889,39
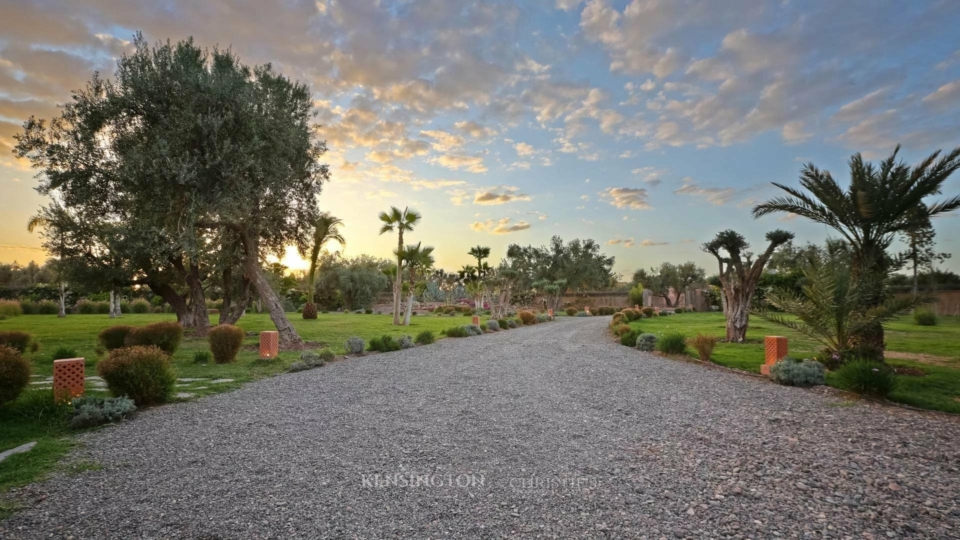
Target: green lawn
x,y
30,418
938,388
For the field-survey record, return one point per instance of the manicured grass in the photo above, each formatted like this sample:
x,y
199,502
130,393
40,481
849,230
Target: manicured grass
x,y
937,389
22,421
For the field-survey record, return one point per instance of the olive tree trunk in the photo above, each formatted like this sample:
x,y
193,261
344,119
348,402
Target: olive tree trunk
x,y
289,338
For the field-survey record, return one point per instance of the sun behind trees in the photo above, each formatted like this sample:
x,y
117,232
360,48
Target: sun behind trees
x,y
188,164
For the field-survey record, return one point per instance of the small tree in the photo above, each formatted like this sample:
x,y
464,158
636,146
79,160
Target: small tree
x,y
676,277
636,295
739,275
418,260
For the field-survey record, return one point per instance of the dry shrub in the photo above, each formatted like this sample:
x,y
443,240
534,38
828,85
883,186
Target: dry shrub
x,y
704,345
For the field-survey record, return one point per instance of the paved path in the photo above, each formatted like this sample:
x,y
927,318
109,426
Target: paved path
x,y
550,431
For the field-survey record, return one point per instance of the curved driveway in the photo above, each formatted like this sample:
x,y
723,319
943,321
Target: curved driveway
x,y
547,431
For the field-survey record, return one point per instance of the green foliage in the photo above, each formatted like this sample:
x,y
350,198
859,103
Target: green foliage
x,y
140,306
226,341
792,372
925,317
16,339
672,343
866,377
90,411
619,318
646,342
621,329
833,308
636,294
314,359
631,314
349,283
10,308
425,338
383,344
114,337
504,324
704,345
202,357
571,311
164,335
309,311
14,374
47,307
85,307
660,280
457,332
493,325
678,311
142,373
63,353
629,338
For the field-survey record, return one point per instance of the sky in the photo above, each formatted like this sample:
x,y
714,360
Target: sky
x,y
647,125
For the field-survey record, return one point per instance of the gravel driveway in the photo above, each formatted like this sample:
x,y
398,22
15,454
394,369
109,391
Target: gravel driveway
x,y
549,431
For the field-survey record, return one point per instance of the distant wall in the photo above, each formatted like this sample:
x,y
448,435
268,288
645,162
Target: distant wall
x,y
948,302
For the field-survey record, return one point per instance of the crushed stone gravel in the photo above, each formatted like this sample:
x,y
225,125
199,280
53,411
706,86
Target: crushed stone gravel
x,y
548,431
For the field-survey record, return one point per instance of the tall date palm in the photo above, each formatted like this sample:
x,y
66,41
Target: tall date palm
x,y
401,222
325,229
881,201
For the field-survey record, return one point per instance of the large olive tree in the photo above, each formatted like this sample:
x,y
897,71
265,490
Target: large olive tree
x,y
186,147
739,275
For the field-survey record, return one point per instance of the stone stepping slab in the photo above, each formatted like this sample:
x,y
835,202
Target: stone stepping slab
x,y
23,448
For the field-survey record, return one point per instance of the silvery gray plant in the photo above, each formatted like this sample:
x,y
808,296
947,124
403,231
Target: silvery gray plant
x,y
355,345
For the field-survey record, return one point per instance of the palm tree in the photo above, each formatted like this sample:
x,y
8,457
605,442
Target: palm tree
x,y
325,229
418,261
479,253
402,221
831,309
880,202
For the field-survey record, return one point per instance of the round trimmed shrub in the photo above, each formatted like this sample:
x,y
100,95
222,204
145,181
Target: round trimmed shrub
x,y
493,325
647,342
618,318
425,338
925,317
527,317
672,343
867,377
140,306
16,339
142,373
226,341
90,411
513,323
406,342
164,335
47,307
793,372
114,337
14,374
629,339
631,314
355,345
647,311
472,330
504,324
571,311
456,332
309,311
10,308
63,353
621,329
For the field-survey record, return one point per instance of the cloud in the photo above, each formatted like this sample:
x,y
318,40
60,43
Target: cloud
x,y
650,175
945,95
500,226
499,195
625,197
650,243
619,241
524,149
715,196
456,162
443,141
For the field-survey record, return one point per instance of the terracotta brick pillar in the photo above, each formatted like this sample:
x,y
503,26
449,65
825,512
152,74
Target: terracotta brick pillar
x,y
776,348
550,313
586,309
636,307
476,320
68,378
269,344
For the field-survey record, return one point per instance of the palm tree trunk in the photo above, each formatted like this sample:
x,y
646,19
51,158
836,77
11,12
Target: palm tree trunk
x,y
406,319
397,284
